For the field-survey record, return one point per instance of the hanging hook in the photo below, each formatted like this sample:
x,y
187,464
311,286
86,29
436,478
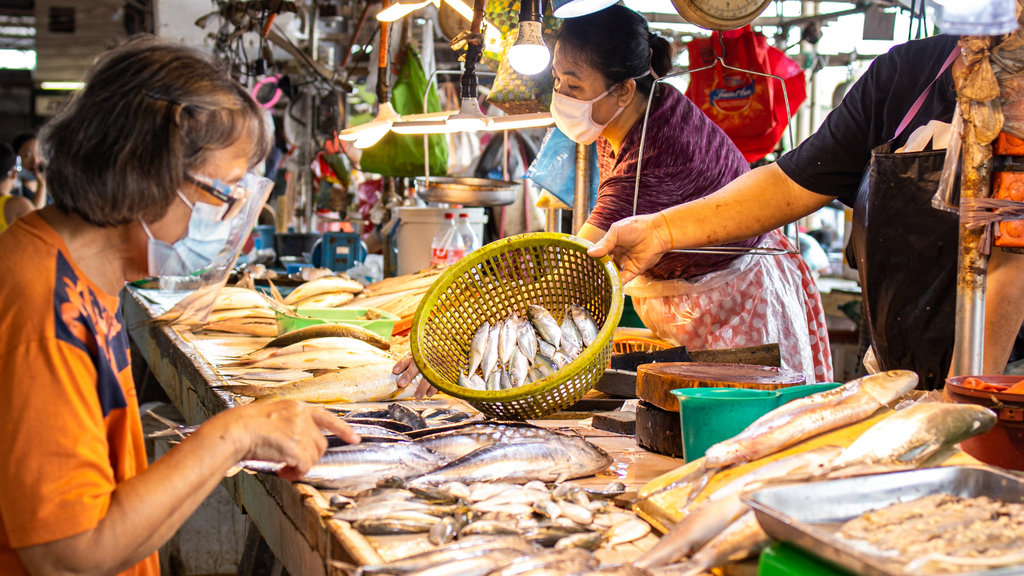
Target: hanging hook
x,y
719,59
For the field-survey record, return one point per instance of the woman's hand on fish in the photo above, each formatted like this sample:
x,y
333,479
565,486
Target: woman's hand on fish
x,y
408,372
635,244
289,432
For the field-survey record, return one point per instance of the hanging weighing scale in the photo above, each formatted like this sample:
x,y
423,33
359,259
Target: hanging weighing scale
x,y
720,14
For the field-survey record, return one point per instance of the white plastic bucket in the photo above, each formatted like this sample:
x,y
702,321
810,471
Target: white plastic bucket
x,y
418,228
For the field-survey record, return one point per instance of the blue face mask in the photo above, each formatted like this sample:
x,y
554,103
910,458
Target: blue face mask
x,y
208,235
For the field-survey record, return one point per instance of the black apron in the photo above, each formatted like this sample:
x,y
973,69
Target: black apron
x,y
906,255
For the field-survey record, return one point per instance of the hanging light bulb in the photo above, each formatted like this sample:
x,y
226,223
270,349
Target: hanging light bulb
x,y
469,119
368,134
574,8
518,121
403,7
528,54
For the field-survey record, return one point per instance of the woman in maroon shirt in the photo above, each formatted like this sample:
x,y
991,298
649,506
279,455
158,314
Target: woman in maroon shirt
x,y
605,65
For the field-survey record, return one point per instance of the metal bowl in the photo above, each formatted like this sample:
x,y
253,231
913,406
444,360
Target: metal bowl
x,y
468,191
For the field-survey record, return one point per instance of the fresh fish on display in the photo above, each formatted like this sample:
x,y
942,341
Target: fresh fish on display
x,y
325,300
327,331
471,383
611,490
479,346
560,360
558,562
520,369
218,315
544,364
544,322
584,323
544,348
328,359
259,327
381,422
507,342
547,459
914,434
273,375
473,565
444,531
576,513
547,508
473,547
810,416
398,523
352,469
572,341
406,416
370,383
628,531
458,443
366,431
490,361
706,520
322,286
494,382
377,413
526,338
390,509
504,382
741,540
312,345
586,540
488,528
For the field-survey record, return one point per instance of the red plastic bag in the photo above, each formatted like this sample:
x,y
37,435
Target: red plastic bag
x,y
750,109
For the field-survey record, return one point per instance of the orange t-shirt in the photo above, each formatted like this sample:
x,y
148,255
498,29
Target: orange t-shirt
x,y
69,416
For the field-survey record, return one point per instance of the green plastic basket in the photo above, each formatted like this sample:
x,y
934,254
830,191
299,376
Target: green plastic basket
x,y
552,270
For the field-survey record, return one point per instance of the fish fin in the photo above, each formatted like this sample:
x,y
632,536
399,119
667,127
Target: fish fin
x,y
938,457
697,476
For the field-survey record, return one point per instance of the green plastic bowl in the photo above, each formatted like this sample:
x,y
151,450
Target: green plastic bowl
x,y
709,415
383,326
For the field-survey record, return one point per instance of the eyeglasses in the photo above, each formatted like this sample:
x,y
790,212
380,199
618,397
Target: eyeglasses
x,y
232,196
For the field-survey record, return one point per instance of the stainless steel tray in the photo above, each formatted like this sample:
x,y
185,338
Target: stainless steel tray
x,y
468,191
809,514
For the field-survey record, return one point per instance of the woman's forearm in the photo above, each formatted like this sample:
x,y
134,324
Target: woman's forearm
x,y
753,204
1004,308
145,510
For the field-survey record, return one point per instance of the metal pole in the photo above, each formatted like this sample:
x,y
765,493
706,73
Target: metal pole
x,y
581,195
972,266
553,222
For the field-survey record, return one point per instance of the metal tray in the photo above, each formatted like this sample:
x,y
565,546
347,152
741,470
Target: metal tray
x,y
468,191
809,514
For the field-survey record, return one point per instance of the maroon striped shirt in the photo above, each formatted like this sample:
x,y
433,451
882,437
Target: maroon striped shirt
x,y
686,156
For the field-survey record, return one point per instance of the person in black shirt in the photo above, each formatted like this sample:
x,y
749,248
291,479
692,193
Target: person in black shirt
x,y
831,165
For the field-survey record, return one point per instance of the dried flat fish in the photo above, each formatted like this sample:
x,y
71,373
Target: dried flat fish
x,y
329,330
323,286
260,327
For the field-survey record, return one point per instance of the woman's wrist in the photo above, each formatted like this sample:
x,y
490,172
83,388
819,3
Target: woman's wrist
x,y
666,227
226,429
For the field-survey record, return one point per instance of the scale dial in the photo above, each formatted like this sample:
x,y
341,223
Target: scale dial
x,y
451,22
720,14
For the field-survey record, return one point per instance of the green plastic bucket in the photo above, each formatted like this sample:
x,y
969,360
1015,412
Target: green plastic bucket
x,y
709,415
313,316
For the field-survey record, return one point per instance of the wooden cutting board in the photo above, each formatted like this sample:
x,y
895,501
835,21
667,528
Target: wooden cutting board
x,y
654,382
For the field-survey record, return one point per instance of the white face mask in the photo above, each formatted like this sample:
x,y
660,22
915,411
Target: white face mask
x,y
575,117
207,236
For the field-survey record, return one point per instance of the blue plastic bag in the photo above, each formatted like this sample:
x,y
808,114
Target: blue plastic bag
x,y
554,169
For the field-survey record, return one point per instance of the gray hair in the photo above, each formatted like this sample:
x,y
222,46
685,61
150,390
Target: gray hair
x,y
151,111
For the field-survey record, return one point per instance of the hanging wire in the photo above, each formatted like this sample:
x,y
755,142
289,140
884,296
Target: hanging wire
x,y
740,250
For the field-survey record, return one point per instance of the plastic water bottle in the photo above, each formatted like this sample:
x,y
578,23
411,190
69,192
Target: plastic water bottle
x,y
469,237
439,246
455,247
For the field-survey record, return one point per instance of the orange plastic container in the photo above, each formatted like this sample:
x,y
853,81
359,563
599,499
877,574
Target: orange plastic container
x,y
1009,186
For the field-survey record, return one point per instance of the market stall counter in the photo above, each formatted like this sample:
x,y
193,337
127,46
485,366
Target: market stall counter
x,y
296,519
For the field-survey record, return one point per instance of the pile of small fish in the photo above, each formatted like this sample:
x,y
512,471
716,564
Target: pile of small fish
x,y
519,351
497,556
560,516
460,453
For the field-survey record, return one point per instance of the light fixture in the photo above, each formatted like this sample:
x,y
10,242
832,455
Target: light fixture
x,y
368,134
62,85
574,8
403,7
469,119
518,121
528,54
429,123
462,8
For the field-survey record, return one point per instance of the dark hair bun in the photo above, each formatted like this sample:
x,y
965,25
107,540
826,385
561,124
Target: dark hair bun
x,y
661,55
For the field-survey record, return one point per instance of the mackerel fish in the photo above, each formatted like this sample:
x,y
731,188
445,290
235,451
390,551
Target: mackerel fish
x,y
914,434
458,443
546,459
352,469
806,417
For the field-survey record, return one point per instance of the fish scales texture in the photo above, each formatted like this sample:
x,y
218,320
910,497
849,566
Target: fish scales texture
x,y
368,383
547,459
741,540
526,338
465,548
507,342
584,323
478,347
917,432
544,322
810,416
458,443
490,361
